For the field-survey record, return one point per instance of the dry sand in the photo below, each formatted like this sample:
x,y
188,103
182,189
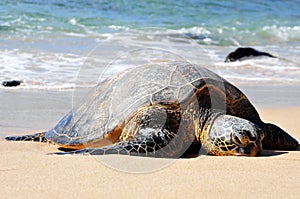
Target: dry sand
x,y
27,172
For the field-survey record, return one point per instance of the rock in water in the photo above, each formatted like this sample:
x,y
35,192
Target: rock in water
x,y
12,83
242,53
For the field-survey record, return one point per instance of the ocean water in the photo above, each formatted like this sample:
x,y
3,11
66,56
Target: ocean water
x,y
62,44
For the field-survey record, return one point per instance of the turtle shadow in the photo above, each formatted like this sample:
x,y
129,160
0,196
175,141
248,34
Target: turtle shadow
x,y
195,152
65,149
270,153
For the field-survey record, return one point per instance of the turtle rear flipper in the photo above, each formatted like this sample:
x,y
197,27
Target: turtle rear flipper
x,y
276,138
37,137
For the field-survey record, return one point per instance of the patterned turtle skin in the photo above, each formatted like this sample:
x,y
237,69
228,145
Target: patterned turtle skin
x,y
165,110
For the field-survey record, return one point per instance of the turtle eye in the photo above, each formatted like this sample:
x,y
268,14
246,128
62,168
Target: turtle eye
x,y
261,134
236,139
243,137
250,135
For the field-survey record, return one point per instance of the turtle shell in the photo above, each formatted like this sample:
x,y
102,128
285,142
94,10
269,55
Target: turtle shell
x,y
106,109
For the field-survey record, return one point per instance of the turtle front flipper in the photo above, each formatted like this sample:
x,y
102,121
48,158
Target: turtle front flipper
x,y
152,131
133,148
37,137
146,148
161,145
276,138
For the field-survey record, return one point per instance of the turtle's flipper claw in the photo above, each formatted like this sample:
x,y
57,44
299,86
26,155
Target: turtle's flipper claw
x,y
11,138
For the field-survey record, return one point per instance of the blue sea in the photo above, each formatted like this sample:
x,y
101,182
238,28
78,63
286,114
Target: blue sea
x,y
62,44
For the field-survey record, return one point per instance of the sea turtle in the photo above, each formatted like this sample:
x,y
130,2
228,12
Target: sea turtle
x,y
165,109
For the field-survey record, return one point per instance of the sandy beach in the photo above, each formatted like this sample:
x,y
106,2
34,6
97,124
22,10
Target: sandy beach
x,y
28,172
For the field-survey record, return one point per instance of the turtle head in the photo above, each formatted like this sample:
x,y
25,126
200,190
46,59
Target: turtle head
x,y
231,135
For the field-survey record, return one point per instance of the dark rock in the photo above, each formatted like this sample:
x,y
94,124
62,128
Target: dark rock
x,y
12,83
242,53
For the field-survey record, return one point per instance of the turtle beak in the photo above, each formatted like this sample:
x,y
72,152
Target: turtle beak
x,y
251,150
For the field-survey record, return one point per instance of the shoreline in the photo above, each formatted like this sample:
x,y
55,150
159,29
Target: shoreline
x,y
24,111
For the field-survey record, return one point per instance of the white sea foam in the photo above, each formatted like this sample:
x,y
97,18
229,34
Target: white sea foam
x,y
41,68
116,27
260,70
283,33
73,21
